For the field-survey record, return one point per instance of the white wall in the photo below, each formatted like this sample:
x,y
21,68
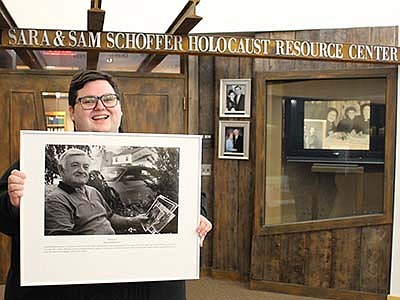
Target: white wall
x,y
218,15
395,273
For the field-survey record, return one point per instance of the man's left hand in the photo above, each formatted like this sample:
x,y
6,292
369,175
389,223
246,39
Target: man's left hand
x,y
204,227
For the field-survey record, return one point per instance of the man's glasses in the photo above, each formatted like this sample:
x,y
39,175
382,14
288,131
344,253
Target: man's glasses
x,y
90,102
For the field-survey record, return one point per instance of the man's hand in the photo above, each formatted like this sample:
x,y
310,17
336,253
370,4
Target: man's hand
x,y
204,227
138,219
16,182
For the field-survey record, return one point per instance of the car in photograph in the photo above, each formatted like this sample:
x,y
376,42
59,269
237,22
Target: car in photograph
x,y
132,184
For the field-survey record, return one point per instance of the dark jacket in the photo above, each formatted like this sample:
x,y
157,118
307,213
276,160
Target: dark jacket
x,y
9,225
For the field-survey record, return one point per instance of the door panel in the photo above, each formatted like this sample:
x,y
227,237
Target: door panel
x,y
23,115
147,113
154,105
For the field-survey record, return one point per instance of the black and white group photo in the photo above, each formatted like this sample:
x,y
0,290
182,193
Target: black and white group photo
x,y
339,124
100,190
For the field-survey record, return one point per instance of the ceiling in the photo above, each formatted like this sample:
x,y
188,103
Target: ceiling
x,y
222,16
218,15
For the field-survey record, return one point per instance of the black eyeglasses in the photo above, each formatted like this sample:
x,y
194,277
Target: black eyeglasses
x,y
90,102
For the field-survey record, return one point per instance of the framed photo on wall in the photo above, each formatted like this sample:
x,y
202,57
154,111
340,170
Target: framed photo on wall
x,y
235,98
234,139
151,175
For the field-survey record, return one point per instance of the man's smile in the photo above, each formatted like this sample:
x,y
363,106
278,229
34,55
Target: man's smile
x,y
100,117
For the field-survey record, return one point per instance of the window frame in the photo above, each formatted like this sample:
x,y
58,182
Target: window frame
x,y
262,79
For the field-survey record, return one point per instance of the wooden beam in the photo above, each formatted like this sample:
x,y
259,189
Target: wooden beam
x,y
189,11
183,24
95,19
31,59
95,23
92,59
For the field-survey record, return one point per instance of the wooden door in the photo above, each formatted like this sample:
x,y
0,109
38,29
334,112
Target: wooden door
x,y
153,105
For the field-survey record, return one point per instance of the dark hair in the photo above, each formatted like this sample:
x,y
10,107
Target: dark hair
x,y
346,111
81,78
332,109
363,106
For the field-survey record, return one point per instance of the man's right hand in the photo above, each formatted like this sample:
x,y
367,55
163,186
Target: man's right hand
x,y
16,182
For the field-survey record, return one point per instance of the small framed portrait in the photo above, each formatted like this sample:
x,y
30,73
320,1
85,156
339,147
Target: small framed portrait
x,y
235,98
234,139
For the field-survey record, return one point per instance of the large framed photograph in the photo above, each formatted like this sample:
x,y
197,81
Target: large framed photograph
x,y
235,98
234,139
129,203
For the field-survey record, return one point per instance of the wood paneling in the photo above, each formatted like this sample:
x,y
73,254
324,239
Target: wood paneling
x,y
233,203
258,258
318,259
146,112
24,115
153,105
346,272
293,256
206,126
272,260
225,251
375,259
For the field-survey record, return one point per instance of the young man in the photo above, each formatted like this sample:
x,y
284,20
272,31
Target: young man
x,y
91,110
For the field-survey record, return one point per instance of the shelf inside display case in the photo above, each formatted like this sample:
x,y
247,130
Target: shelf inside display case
x,y
55,121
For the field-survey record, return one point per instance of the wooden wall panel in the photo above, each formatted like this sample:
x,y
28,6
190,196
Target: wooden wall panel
x,y
293,258
375,259
24,115
206,95
153,104
233,204
272,258
225,247
318,259
258,258
246,190
146,113
346,245
281,64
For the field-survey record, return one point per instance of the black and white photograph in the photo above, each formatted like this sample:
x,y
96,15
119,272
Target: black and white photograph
x,y
100,189
112,200
337,124
314,131
235,97
234,139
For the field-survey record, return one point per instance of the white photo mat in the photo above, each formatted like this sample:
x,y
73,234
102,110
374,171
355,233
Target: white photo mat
x,y
79,259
